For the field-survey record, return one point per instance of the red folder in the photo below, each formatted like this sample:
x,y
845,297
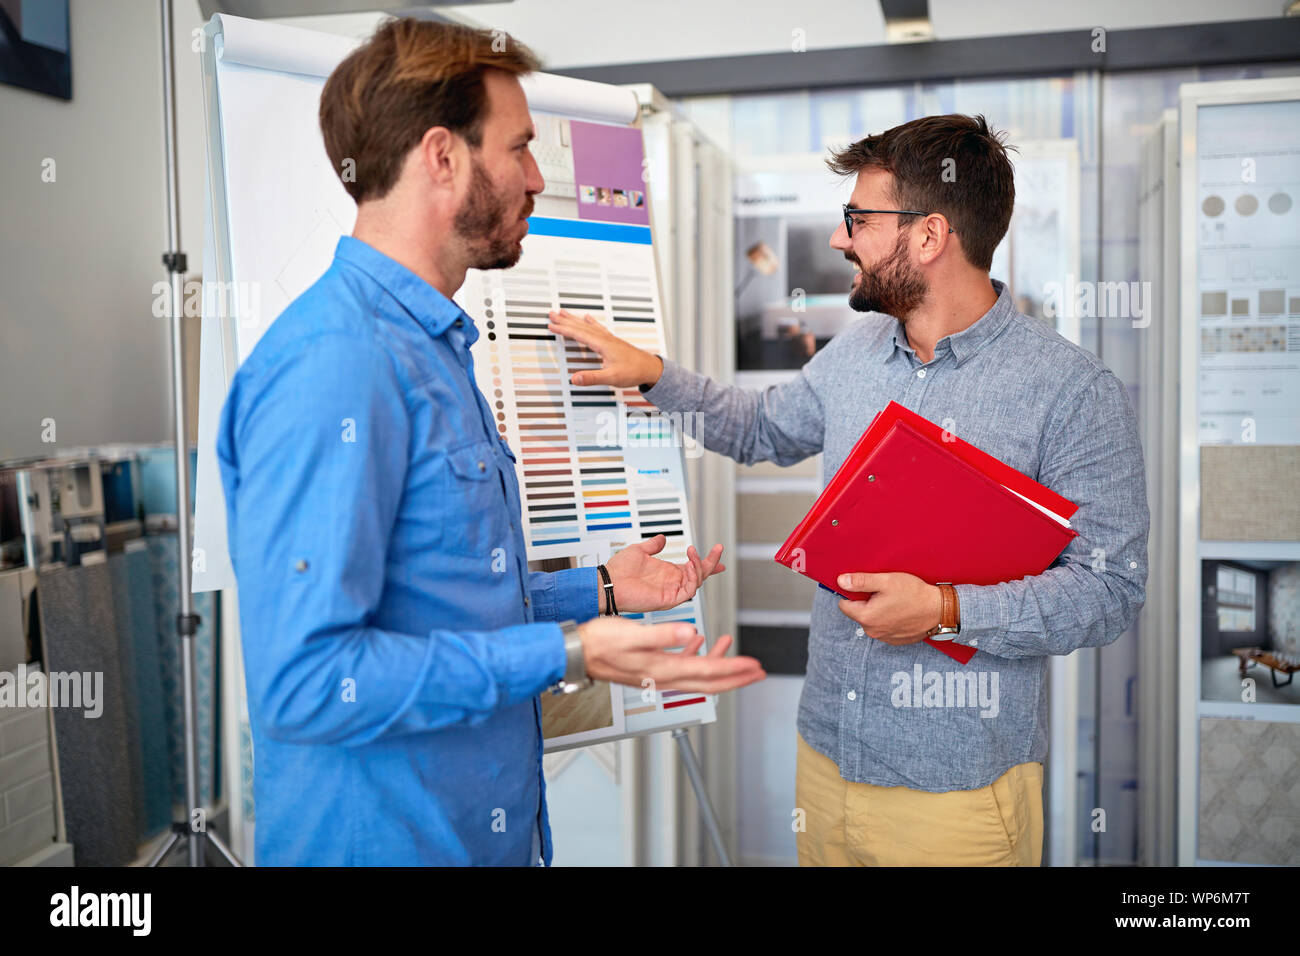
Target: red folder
x,y
911,498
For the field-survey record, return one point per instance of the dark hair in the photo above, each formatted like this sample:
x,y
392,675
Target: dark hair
x,y
952,165
411,75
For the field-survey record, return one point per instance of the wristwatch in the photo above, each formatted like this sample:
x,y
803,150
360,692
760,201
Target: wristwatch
x,y
949,614
575,666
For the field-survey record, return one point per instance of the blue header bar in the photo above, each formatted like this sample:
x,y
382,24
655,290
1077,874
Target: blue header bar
x,y
587,229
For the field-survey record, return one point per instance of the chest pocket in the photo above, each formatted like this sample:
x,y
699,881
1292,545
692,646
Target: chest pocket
x,y
476,512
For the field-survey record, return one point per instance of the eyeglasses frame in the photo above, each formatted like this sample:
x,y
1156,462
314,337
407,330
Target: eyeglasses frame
x,y
850,213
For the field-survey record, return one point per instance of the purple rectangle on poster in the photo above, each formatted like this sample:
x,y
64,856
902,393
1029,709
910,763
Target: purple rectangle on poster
x,y
607,168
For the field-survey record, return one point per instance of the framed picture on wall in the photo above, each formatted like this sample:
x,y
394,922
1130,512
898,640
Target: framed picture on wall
x,y
1250,631
36,47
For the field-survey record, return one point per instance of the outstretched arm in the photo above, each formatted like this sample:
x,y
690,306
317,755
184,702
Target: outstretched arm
x,y
783,424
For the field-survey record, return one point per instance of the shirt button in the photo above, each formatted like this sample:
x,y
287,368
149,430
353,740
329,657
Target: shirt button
x,y
482,467
861,633
920,373
974,643
853,695
525,602
300,566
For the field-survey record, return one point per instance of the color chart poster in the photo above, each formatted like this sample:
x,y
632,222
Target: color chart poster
x,y
598,467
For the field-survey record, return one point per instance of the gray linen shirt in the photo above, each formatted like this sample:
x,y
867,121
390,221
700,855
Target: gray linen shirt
x,y
911,716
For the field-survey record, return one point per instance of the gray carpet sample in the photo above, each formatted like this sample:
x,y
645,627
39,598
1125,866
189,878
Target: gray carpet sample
x,y
142,676
80,629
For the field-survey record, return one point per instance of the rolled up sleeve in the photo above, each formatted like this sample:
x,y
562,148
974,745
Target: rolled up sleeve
x,y
568,595
1091,594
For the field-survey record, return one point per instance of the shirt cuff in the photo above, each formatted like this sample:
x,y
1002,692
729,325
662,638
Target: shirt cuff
x,y
982,616
535,651
569,595
671,392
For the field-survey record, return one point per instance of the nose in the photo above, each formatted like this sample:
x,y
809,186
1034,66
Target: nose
x,y
840,239
533,181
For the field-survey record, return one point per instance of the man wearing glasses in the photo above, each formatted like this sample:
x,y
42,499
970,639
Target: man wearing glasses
x,y
886,777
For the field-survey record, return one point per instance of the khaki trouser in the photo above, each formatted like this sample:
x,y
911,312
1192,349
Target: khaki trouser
x,y
860,824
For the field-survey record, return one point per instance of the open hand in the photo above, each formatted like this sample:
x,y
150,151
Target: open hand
x,y
639,655
643,582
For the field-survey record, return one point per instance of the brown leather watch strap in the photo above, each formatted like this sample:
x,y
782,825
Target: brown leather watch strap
x,y
949,612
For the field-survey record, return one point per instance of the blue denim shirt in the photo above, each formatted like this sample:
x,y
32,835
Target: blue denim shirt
x,y
909,715
392,658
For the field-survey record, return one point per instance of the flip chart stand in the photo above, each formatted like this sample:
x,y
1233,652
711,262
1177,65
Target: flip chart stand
x,y
193,833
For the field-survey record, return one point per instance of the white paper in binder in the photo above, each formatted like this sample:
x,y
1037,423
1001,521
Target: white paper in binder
x,y
277,208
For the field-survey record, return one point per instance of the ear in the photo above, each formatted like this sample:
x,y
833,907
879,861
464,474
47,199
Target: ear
x,y
935,236
439,154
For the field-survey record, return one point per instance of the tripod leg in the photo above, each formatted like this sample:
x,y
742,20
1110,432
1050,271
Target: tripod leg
x,y
161,853
701,795
224,850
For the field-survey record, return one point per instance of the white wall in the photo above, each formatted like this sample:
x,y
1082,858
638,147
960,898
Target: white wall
x,y
79,256
572,33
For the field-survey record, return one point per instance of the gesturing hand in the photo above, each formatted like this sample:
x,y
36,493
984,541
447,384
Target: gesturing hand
x,y
646,583
625,652
622,363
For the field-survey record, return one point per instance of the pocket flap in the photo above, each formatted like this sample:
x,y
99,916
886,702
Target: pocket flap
x,y
472,461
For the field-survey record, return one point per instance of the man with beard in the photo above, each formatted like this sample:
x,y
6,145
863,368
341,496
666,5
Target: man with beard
x,y
904,756
395,642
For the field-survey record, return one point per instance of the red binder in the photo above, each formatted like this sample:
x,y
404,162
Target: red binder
x,y
908,500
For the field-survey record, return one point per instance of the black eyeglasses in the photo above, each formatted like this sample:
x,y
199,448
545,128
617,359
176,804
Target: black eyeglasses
x,y
850,213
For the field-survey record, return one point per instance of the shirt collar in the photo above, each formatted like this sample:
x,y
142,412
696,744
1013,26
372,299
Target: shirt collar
x,y
969,340
433,310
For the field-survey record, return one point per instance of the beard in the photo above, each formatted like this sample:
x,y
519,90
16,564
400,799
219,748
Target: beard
x,y
894,286
481,222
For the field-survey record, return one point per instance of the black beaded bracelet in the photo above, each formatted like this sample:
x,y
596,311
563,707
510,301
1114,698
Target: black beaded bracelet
x,y
610,606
